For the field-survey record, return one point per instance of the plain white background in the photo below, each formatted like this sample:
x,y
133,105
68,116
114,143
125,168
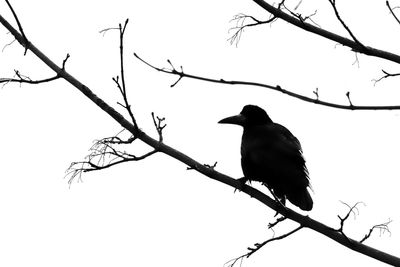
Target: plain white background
x,y
155,212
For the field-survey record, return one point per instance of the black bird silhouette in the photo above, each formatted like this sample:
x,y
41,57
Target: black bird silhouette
x,y
272,155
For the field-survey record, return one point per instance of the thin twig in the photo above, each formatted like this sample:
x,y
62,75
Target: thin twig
x,y
123,84
300,16
385,76
25,79
240,26
8,44
348,98
21,30
104,31
104,155
352,210
333,3
383,228
159,124
20,78
258,246
392,12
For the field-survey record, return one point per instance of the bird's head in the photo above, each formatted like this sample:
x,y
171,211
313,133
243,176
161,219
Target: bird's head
x,y
249,116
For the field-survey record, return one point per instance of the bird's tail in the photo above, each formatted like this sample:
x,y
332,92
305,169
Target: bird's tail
x,y
302,199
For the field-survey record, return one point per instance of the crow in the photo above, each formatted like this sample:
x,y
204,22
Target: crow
x,y
272,155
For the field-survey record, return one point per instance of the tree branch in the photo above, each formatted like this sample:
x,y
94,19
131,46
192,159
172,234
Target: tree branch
x,y
122,86
181,74
258,246
298,15
333,4
352,210
355,46
159,124
240,26
25,79
382,227
103,155
386,75
304,221
392,12
24,40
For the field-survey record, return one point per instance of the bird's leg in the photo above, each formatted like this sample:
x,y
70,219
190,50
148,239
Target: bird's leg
x,y
277,199
281,201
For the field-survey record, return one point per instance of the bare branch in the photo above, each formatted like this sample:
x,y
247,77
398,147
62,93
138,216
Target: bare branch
x,y
351,43
278,88
392,12
104,154
65,62
383,228
258,246
348,98
173,69
241,24
298,4
104,31
316,93
8,44
25,42
120,83
299,16
159,124
241,20
386,75
352,210
20,78
333,3
123,84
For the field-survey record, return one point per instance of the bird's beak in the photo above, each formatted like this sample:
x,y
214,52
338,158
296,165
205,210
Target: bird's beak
x,y
237,119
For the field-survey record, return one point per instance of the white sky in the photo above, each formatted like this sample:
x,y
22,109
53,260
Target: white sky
x,y
155,212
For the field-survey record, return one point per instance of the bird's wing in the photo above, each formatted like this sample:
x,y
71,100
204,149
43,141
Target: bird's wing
x,y
287,136
272,149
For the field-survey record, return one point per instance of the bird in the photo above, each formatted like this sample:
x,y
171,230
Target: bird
x,y
272,155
